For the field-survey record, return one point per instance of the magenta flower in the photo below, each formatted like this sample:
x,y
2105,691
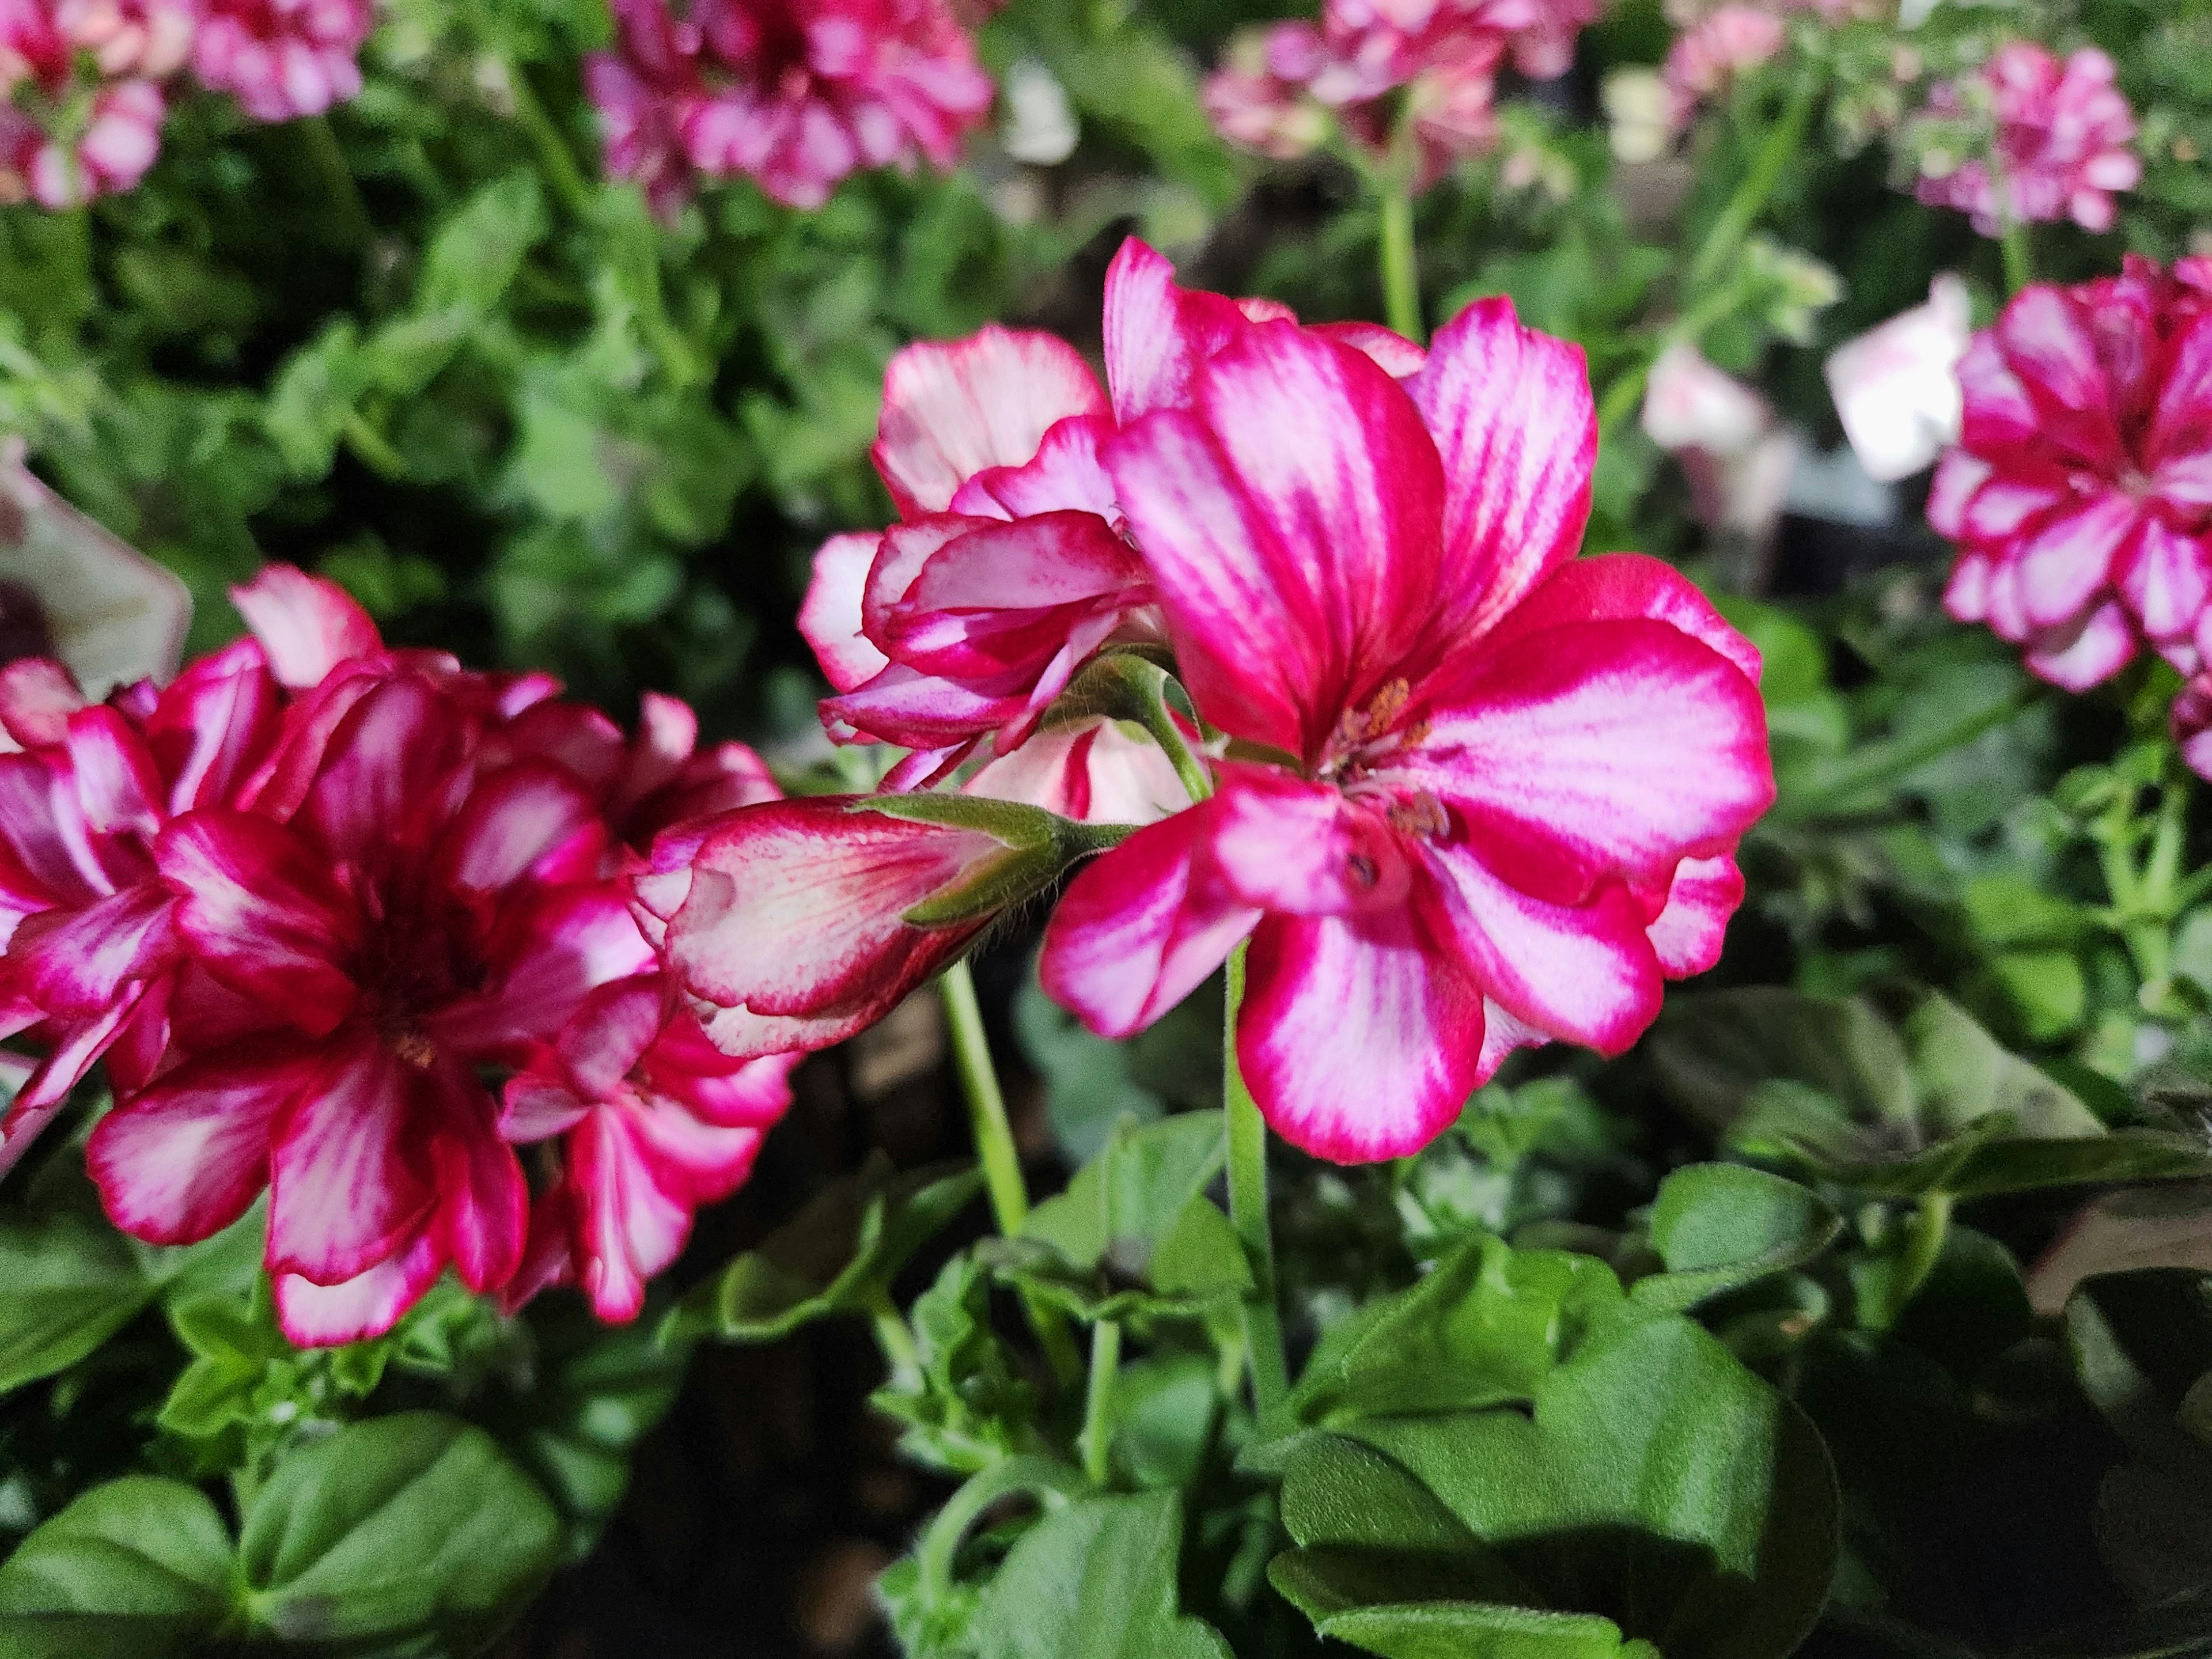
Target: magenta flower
x,y
795,93
1510,784
2081,493
282,58
1707,57
1011,569
654,1122
2043,140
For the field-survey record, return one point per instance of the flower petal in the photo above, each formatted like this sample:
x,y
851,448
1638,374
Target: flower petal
x,y
388,759
1158,334
533,818
830,617
2049,345
186,1157
1618,587
1142,927
2072,555
1065,473
307,624
628,1229
483,1208
2167,580
1687,934
76,961
313,1315
1359,1035
2086,653
953,408
345,1190
1512,415
610,1034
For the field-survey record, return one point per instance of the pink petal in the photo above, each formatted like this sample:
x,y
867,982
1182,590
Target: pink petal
x,y
37,697
388,761
830,617
1158,334
1290,527
559,947
685,1065
1580,754
693,1158
117,790
530,819
483,1210
45,1091
742,1034
1093,771
2073,555
1958,476
1502,1035
952,408
213,726
76,961
1621,587
2086,654
796,907
307,624
611,1031
261,913
630,1228
1688,933
1065,473
186,1157
1287,846
1512,416
313,1315
2167,580
1139,929
1584,972
1359,1035
345,1186
1393,353
2049,345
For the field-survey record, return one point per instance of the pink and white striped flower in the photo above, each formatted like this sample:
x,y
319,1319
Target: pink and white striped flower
x,y
2030,139
282,58
2080,492
1510,784
80,108
795,93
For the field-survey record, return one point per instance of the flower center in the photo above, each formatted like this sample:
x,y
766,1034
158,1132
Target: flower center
x,y
1357,760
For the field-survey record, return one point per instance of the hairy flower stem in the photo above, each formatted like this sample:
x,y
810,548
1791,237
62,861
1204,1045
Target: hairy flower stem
x,y
1248,1214
1402,278
1097,1436
1784,140
994,1146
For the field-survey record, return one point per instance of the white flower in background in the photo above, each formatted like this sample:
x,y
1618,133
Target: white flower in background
x,y
1040,126
69,589
1897,387
1737,455
1640,109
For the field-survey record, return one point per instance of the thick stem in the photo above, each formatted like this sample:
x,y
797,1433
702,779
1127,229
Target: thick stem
x,y
1248,1214
994,1146
1097,1438
1743,208
1401,277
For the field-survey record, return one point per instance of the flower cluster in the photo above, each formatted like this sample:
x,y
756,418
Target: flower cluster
x,y
1384,73
1706,58
795,93
307,900
2028,139
81,82
1458,791
2080,492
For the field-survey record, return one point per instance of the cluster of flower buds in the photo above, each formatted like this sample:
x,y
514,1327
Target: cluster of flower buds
x,y
1456,790
2027,139
1390,75
312,900
794,93
2080,493
82,81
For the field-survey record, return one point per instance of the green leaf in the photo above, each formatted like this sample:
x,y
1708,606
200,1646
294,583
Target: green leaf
x,y
1447,1629
410,1525
1713,1049
1095,1580
67,1284
1128,1198
136,1569
965,1402
836,1257
1721,1226
1483,1327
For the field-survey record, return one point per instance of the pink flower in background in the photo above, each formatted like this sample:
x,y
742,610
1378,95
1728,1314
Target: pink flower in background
x,y
1730,443
83,113
1896,387
1011,569
795,93
1514,781
282,58
652,1122
2029,139
2190,720
1706,58
2080,492
1258,99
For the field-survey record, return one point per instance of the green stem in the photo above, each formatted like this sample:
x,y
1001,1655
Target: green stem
x,y
374,448
1053,1483
1248,1214
1930,1225
1744,208
2018,256
1402,277
1098,1437
896,1338
994,1146
1885,762
554,155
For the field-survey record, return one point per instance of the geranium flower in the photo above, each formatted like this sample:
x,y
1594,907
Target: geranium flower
x,y
1706,58
2081,493
2029,139
1896,387
796,93
282,58
654,1122
1735,450
1509,784
1011,569
81,112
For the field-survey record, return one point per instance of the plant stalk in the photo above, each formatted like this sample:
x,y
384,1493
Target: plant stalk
x,y
2018,256
1248,1214
1743,208
1401,277
554,156
1098,1437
